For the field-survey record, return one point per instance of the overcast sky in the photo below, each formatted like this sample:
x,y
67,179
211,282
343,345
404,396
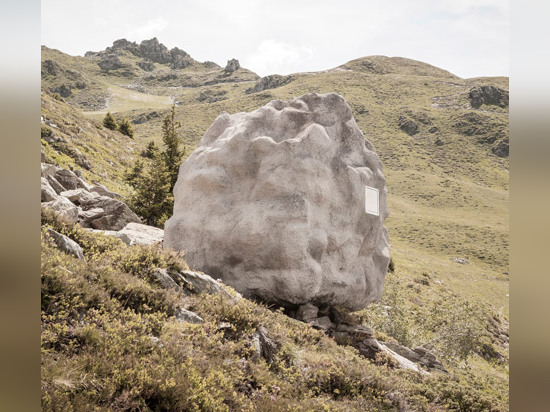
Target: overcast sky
x,y
467,37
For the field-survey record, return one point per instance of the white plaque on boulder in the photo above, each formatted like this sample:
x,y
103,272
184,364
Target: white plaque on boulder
x,y
372,201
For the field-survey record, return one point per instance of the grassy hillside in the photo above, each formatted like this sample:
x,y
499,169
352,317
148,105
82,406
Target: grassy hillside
x,y
447,181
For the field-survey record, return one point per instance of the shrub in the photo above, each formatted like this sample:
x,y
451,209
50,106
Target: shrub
x,y
125,127
109,121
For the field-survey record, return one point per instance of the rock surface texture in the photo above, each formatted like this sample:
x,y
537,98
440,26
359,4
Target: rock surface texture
x,y
273,203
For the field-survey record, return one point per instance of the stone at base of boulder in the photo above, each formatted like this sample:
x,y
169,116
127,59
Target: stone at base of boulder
x,y
47,194
306,312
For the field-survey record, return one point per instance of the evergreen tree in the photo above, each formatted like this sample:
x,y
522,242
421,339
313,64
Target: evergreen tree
x,y
151,150
152,198
172,154
109,121
125,127
134,173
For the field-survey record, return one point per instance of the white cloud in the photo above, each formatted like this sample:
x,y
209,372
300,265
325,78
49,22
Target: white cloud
x,y
150,29
277,57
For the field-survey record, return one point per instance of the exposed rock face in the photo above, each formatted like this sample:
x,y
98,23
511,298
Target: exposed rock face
x,y
110,62
488,95
273,203
232,65
269,82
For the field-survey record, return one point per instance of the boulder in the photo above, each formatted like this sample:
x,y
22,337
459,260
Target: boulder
x,y
103,191
65,244
69,180
78,196
116,214
140,234
64,207
47,193
273,202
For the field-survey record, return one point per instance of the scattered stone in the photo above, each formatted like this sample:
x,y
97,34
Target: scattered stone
x,y
47,193
186,316
439,142
65,244
140,234
78,196
116,213
321,323
273,203
418,355
460,260
307,312
69,180
88,215
64,207
402,362
264,346
103,191
196,282
164,279
232,65
501,147
409,126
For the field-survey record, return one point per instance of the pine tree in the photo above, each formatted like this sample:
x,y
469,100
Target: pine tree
x,y
125,127
134,173
109,121
150,151
152,198
172,155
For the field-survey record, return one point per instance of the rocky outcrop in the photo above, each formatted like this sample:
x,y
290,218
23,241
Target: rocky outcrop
x,y
232,65
110,62
69,195
269,82
491,95
273,202
152,51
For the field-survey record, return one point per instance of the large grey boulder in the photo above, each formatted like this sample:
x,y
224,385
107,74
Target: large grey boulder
x,y
273,202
